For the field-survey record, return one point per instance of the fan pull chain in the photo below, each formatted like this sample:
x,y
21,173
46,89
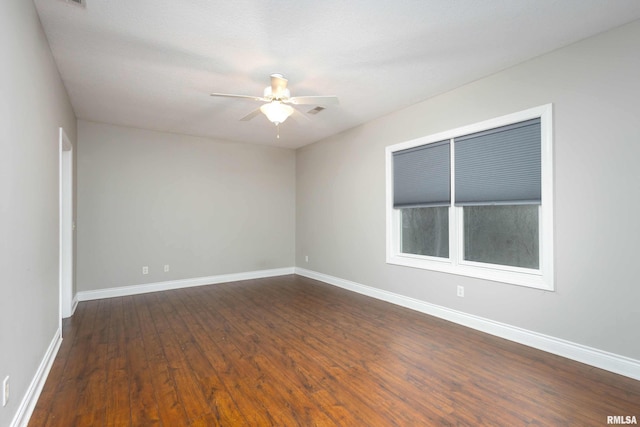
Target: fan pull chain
x,y
278,129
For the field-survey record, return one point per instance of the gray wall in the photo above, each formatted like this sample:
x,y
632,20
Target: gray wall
x,y
204,207
33,105
594,87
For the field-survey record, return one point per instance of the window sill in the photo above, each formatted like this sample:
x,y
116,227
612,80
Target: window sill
x,y
521,277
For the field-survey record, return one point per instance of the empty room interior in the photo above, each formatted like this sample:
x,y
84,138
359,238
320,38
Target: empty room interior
x,y
319,213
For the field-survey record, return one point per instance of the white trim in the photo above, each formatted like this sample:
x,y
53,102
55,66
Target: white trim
x,y
74,305
591,356
179,284
66,226
542,278
28,403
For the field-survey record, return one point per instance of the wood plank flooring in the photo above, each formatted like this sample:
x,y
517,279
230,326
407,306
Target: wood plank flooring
x,y
291,351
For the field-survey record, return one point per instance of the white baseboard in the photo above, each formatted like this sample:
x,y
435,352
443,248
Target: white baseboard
x,y
591,356
179,284
28,403
74,304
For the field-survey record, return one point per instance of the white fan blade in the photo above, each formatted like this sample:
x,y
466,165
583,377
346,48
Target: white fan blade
x,y
313,100
251,115
278,85
228,95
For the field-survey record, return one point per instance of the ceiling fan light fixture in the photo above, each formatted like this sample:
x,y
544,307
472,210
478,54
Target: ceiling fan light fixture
x,y
276,111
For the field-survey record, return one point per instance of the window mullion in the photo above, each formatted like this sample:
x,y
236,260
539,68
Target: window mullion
x,y
459,230
454,232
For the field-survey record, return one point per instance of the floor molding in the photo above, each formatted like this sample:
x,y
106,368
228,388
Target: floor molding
x,y
28,403
591,356
179,284
74,305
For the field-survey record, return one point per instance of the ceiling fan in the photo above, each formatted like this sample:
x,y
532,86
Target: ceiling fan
x,y
277,99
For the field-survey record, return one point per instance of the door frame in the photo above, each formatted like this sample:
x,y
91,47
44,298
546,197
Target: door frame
x,y
67,226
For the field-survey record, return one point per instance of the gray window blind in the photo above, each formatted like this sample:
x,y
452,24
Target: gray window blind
x,y
499,166
421,176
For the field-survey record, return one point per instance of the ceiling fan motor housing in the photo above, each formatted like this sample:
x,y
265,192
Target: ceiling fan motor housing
x,y
283,95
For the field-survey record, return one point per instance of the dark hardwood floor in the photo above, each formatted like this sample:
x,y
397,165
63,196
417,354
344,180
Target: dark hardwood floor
x,y
290,351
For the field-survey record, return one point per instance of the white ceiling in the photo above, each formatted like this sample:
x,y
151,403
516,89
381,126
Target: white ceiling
x,y
152,63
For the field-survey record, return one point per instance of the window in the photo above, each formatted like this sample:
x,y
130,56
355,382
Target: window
x,y
476,201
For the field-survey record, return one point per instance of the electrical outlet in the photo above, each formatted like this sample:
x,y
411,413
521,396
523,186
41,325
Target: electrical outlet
x,y
166,268
306,258
461,291
145,270
5,391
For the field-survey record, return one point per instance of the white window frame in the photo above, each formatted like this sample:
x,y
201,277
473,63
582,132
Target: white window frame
x,y
541,278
